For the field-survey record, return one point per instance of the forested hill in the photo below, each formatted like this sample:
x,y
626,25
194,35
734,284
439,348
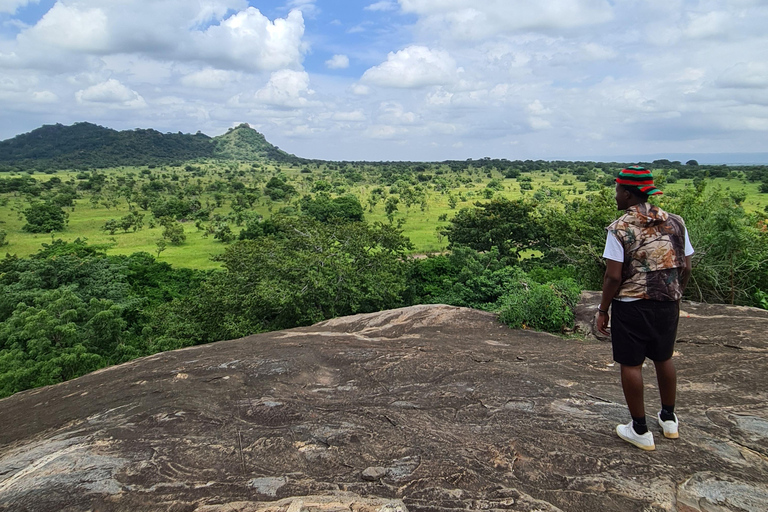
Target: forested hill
x,y
86,145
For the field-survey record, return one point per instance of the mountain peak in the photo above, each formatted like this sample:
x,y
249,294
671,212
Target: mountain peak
x,y
245,143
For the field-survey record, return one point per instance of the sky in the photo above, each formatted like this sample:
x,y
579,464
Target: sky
x,y
422,80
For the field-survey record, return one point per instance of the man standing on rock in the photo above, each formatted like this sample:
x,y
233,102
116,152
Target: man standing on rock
x,y
648,263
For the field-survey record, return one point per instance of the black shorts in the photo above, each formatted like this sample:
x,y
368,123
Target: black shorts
x,y
643,328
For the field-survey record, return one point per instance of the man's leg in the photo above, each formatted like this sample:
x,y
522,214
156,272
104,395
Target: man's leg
x,y
667,377
635,432
632,384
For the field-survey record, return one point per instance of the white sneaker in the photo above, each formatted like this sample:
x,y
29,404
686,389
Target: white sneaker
x,y
642,441
669,427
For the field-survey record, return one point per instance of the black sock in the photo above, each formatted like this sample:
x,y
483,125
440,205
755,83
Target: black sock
x,y
667,413
639,425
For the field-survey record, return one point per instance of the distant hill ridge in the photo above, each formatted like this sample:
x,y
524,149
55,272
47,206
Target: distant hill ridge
x,y
87,145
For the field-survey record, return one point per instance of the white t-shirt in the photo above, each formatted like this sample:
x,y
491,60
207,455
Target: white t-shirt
x,y
615,251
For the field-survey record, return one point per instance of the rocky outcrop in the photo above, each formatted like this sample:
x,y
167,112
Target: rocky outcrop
x,y
428,408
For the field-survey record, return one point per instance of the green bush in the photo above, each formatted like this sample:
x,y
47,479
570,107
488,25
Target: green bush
x,y
545,307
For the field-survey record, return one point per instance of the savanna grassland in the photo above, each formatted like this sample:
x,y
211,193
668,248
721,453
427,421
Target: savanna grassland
x,y
423,201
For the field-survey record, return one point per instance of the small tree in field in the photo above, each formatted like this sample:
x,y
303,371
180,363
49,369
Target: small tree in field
x,y
44,218
173,231
161,246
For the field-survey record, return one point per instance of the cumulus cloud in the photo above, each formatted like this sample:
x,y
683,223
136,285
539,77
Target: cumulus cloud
x,y
172,30
286,89
110,93
248,40
337,62
469,19
414,66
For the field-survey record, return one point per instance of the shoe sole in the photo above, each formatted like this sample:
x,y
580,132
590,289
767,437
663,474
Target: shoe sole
x,y
668,435
635,443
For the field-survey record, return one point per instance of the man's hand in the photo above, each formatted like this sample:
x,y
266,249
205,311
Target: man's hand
x,y
602,323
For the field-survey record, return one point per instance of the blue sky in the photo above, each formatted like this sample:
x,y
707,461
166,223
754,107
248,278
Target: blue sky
x,y
400,79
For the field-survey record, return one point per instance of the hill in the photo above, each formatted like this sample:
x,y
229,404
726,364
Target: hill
x,y
427,408
246,144
86,145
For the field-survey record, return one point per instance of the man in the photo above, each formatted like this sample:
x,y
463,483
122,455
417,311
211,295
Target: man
x,y
648,263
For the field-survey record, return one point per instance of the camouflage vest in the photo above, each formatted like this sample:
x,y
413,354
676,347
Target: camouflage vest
x,y
654,253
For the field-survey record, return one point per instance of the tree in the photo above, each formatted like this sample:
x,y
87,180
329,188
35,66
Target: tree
x,y
174,232
308,271
111,225
390,207
346,208
507,225
43,217
731,245
223,233
161,246
576,232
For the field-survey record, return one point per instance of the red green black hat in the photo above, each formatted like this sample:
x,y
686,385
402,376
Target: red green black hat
x,y
640,177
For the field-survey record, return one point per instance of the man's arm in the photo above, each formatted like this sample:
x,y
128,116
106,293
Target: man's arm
x,y
686,273
611,284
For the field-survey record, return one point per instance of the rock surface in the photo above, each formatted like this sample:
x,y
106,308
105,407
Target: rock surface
x,y
447,408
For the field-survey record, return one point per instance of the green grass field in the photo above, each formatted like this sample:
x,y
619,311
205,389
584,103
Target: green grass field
x,y
421,220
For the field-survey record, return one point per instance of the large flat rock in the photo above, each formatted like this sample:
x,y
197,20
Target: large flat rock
x,y
428,408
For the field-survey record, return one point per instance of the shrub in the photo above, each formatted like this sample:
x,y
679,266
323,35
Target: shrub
x,y
546,307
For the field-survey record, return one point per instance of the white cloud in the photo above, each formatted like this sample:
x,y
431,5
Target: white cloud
x,y
177,30
537,108
72,27
209,78
249,41
712,24
286,89
353,116
393,113
463,79
385,132
337,62
306,6
384,5
44,97
414,66
111,93
747,75
538,123
10,6
359,89
469,19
